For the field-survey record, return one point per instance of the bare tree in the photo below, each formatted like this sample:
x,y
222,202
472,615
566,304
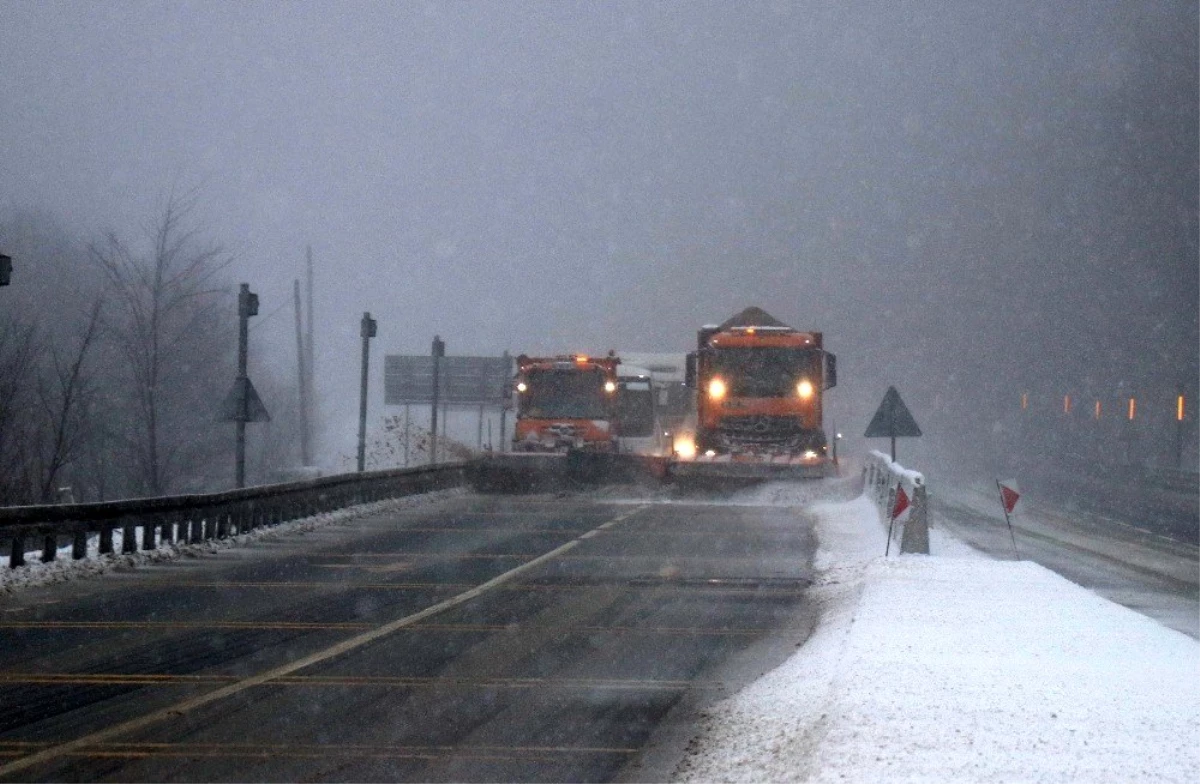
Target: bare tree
x,y
64,396
18,369
165,303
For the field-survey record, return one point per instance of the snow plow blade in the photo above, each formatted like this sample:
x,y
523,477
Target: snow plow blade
x,y
763,470
535,473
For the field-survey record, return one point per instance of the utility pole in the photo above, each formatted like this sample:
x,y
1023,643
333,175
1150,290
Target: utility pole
x,y
247,307
310,366
439,351
507,399
302,369
368,331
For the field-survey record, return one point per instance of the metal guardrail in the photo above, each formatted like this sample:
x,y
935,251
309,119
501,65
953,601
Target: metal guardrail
x,y
881,479
196,518
1174,480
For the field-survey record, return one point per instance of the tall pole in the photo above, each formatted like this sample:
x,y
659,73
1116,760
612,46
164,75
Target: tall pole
x,y
406,433
507,399
368,331
302,370
247,307
310,358
439,351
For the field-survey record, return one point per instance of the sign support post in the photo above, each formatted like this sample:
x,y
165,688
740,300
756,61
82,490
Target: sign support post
x,y
439,351
368,328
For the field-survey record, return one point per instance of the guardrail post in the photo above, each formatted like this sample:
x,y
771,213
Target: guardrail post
x,y
128,536
49,548
149,525
79,543
168,528
916,530
222,523
195,525
17,554
106,538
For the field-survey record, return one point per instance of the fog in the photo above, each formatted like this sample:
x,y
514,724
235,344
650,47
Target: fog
x,y
971,200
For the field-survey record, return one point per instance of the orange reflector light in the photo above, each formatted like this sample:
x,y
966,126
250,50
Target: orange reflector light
x,y
1066,404
1097,409
1024,400
1179,409
1132,408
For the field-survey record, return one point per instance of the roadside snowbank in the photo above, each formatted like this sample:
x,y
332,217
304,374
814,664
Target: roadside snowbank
x,y
63,568
954,667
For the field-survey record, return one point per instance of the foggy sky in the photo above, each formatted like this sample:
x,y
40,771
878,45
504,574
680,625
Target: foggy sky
x,y
966,198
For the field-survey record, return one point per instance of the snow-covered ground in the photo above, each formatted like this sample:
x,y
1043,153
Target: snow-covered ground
x,y
34,572
956,667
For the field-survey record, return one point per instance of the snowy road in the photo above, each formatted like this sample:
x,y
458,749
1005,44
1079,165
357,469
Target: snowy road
x,y
479,638
1145,571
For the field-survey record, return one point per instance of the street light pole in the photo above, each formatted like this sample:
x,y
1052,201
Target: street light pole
x,y
439,351
368,331
247,307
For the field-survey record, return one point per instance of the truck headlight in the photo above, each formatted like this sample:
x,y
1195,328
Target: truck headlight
x,y
716,389
804,389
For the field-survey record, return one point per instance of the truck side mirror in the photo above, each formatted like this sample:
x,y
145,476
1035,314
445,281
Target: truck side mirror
x,y
830,370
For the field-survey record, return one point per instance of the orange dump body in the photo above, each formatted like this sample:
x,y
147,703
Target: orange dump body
x,y
566,402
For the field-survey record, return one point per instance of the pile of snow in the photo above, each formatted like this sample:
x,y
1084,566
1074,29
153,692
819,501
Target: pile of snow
x,y
63,568
955,667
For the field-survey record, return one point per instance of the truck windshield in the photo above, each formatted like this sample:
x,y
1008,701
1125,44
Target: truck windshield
x,y
635,410
766,372
570,394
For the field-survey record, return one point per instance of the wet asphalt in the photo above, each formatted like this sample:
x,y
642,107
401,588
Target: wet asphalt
x,y
368,651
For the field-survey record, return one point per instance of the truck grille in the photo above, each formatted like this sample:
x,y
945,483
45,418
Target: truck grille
x,y
760,429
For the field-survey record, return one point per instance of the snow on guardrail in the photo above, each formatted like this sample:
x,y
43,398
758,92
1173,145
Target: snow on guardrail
x,y
882,480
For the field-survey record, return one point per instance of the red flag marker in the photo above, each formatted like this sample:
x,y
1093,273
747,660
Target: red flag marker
x,y
1009,495
901,503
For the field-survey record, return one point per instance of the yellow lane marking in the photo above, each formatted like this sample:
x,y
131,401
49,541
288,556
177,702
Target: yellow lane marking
x,y
316,560
274,751
343,586
430,627
150,679
398,566
133,725
271,625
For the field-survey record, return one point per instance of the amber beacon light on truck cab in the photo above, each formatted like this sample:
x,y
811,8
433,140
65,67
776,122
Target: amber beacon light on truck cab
x,y
566,403
759,387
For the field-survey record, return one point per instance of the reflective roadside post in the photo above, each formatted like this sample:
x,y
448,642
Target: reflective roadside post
x,y
367,330
1180,420
5,269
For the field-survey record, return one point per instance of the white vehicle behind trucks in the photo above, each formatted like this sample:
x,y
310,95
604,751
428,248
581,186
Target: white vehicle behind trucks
x,y
670,400
638,427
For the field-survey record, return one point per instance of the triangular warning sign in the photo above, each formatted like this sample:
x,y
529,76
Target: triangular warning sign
x,y
243,404
1009,495
892,420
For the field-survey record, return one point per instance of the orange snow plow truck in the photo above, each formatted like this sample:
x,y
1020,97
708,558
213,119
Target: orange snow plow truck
x,y
566,403
759,386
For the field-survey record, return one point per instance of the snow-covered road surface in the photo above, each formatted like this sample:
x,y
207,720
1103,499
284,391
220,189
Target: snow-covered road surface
x,y
956,667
